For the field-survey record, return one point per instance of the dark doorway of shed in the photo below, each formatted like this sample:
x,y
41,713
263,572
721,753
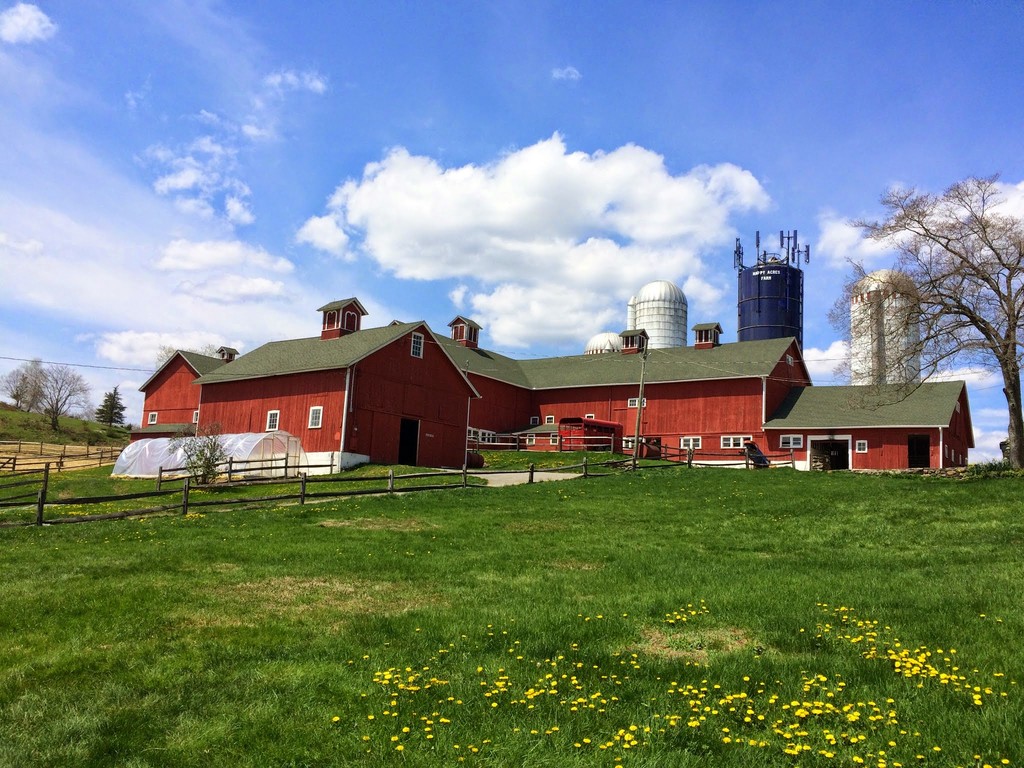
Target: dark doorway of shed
x,y
408,441
918,451
830,454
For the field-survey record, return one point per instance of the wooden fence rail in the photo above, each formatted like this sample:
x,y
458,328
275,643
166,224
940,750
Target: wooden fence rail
x,y
184,501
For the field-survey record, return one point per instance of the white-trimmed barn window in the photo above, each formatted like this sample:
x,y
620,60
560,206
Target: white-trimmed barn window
x,y
735,441
534,421
152,417
549,419
632,402
195,417
791,441
686,443
554,438
273,420
316,417
861,446
588,416
417,345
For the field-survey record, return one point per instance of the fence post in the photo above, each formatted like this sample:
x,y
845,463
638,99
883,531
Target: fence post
x,y
391,480
689,457
184,496
231,462
159,477
302,489
42,494
531,473
465,474
14,462
585,467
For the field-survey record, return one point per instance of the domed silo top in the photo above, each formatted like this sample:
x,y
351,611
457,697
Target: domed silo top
x,y
661,290
603,342
886,281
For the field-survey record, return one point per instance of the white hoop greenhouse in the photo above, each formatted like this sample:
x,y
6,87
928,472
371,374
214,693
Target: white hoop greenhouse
x,y
260,454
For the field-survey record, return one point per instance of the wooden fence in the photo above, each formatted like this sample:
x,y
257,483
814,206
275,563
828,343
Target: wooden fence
x,y
301,489
21,455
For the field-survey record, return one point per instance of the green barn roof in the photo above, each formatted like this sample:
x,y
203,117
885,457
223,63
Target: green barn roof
x,y
922,405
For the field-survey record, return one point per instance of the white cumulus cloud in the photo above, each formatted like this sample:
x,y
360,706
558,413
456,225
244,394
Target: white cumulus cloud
x,y
324,233
566,73
840,243
25,23
230,289
188,255
822,363
539,220
133,347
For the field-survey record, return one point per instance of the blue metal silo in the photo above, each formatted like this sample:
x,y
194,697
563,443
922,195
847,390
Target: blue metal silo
x,y
771,291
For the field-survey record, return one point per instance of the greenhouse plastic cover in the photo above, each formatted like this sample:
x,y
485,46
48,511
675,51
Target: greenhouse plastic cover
x,y
145,457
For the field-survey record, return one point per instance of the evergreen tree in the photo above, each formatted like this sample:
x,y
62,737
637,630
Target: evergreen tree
x,y
111,411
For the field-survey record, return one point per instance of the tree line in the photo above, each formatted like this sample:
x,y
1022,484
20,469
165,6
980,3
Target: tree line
x,y
56,390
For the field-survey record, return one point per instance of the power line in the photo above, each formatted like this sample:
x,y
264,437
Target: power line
x,y
76,365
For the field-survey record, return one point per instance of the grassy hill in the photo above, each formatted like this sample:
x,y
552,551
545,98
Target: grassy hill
x,y
675,618
35,428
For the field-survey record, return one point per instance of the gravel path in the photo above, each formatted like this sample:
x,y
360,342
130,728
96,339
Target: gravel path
x,y
518,478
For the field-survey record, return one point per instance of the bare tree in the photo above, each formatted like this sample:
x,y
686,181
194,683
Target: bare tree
x,y
166,352
63,390
963,252
24,385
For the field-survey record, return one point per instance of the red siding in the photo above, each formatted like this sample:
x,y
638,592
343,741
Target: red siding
x,y
784,377
171,394
242,406
501,407
391,385
692,408
387,386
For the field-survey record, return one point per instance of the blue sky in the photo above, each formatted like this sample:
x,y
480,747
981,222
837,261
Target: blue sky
x,y
186,173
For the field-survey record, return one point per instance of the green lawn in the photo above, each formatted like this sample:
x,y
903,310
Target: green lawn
x,y
663,618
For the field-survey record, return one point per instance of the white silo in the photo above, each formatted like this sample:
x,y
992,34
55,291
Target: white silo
x,y
885,335
603,342
660,309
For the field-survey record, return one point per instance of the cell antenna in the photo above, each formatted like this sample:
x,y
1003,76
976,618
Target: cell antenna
x,y
737,255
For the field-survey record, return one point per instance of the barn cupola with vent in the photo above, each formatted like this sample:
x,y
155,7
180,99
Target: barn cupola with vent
x,y
634,341
227,354
341,318
465,332
706,335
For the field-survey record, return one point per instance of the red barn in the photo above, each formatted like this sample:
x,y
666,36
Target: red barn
x,y
171,404
874,427
390,395
711,398
400,394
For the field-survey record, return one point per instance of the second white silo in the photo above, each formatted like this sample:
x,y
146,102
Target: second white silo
x,y
660,309
885,335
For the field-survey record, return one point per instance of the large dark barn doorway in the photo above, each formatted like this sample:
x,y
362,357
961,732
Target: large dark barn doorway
x,y
918,451
408,441
830,454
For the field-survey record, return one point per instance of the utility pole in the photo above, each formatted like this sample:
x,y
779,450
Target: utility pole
x,y
639,407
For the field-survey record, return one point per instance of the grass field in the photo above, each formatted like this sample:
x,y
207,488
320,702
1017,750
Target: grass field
x,y
662,618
